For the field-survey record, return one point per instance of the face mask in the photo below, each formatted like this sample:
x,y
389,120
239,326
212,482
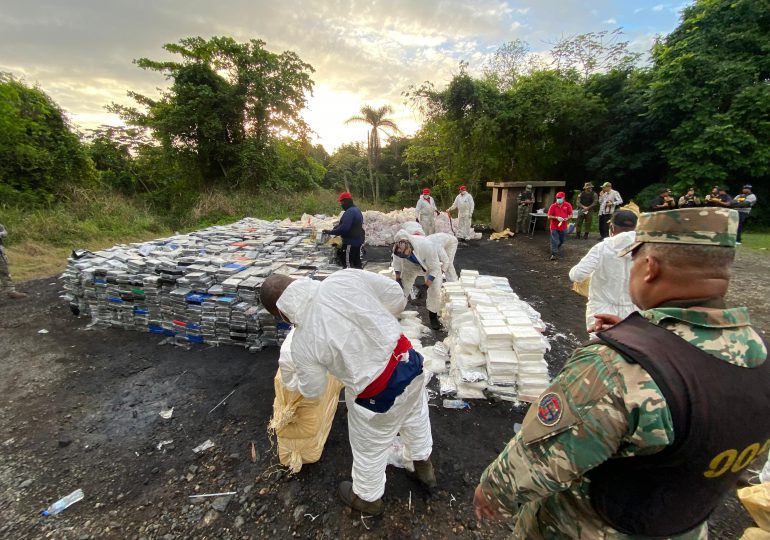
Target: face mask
x,y
426,197
559,201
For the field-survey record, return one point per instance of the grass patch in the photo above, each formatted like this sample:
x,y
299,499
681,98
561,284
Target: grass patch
x,y
756,240
40,240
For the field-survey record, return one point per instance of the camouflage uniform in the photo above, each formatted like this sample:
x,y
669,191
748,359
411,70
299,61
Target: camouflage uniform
x,y
523,210
613,408
6,283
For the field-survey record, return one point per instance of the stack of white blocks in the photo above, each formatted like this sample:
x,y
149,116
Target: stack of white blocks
x,y
494,339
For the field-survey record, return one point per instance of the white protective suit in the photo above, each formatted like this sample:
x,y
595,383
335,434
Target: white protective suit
x,y
447,249
464,206
608,292
346,325
426,213
429,263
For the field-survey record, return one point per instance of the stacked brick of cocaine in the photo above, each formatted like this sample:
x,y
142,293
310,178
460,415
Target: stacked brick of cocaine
x,y
201,287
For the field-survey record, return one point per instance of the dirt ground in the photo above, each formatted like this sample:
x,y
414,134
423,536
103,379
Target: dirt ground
x,y
80,410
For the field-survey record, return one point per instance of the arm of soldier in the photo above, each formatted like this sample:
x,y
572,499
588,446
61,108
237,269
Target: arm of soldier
x,y
588,422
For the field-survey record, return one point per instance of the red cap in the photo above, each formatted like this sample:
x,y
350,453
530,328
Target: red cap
x,y
560,195
344,195
462,188
426,191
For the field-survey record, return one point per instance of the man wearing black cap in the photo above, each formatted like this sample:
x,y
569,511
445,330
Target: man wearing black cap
x,y
351,229
608,290
743,204
663,201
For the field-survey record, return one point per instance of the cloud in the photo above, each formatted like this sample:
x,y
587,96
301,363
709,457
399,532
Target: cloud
x,y
363,51
659,7
610,21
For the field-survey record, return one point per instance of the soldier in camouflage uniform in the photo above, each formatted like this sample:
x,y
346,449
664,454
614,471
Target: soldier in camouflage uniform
x,y
7,288
602,406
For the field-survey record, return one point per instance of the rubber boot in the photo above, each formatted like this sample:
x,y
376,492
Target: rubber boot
x,y
585,236
434,320
15,295
423,473
357,503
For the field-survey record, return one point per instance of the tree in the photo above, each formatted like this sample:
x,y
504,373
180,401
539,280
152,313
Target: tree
x,y
228,103
376,119
40,155
509,62
348,170
593,52
709,93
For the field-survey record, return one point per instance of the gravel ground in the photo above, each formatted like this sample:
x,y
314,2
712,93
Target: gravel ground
x,y
80,410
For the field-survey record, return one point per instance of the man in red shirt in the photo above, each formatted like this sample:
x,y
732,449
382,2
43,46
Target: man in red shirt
x,y
559,215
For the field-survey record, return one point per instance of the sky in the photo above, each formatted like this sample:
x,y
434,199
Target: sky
x,y
364,51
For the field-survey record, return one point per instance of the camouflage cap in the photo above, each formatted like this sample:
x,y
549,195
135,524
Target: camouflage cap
x,y
704,226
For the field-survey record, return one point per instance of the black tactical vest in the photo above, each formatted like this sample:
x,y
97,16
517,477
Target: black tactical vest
x,y
721,417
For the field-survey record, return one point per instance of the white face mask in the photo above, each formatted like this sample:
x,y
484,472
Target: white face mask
x,y
559,201
426,197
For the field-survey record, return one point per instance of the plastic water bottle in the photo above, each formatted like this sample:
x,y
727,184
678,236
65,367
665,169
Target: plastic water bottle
x,y
456,404
63,503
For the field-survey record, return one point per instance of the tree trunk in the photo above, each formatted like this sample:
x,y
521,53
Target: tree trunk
x,y
345,178
369,160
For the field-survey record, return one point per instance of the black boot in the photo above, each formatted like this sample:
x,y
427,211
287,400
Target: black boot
x,y
434,320
585,236
356,503
423,473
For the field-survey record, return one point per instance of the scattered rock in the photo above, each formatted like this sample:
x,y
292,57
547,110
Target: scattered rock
x,y
209,517
289,493
239,521
64,441
220,503
300,512
26,483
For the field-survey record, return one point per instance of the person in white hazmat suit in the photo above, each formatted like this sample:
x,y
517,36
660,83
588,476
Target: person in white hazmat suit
x,y
426,212
608,290
346,325
417,256
447,248
464,205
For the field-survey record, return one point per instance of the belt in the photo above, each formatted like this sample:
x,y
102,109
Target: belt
x,y
381,381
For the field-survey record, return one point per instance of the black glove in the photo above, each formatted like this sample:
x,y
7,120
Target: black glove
x,y
398,280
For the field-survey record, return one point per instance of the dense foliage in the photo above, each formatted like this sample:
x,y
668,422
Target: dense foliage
x,y
41,158
697,114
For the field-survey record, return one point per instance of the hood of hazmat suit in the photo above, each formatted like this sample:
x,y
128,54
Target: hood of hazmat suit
x,y
345,325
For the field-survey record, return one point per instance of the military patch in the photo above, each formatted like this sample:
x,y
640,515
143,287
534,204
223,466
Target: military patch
x,y
550,409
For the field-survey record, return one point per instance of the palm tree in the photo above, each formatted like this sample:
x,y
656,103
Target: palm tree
x,y
376,119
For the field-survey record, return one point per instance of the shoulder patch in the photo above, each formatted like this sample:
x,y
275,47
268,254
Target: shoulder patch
x,y
550,409
550,415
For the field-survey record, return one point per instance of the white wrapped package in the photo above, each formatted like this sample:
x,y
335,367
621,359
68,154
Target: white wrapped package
x,y
469,335
473,375
381,227
469,360
484,282
447,385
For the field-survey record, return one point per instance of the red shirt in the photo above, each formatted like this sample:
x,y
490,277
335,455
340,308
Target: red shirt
x,y
560,210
